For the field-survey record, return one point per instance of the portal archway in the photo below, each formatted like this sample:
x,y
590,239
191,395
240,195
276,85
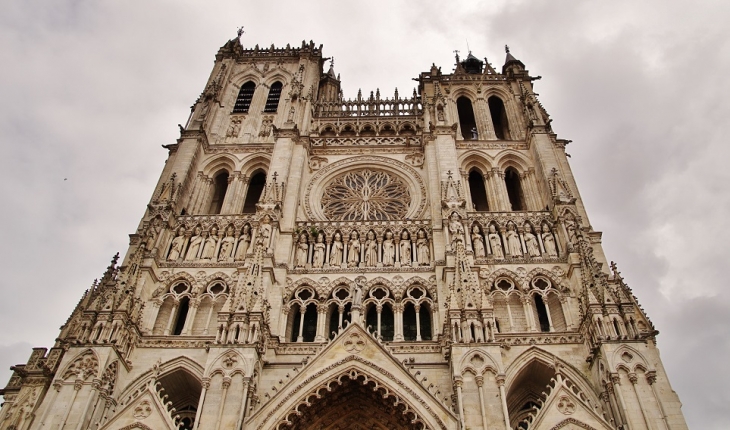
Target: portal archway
x,y
353,402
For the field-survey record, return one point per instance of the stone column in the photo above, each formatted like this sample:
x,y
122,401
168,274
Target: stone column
x,y
482,407
458,382
616,381
503,397
226,384
651,379
56,388
634,379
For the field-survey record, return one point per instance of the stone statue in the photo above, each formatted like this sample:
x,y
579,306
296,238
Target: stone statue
x,y
477,242
177,245
234,128
571,229
264,232
533,248
371,250
456,230
353,251
548,240
513,241
336,250
209,244
356,293
194,246
244,240
423,249
405,248
227,244
495,242
302,251
319,250
388,249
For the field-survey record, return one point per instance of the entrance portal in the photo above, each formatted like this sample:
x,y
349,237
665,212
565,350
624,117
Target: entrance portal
x,y
353,405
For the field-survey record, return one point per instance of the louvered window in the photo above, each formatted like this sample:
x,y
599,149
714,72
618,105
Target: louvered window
x,y
243,101
272,102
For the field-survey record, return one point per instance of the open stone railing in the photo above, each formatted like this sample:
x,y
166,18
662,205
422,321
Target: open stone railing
x,y
373,106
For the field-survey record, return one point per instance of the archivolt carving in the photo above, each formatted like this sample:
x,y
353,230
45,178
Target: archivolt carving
x,y
352,372
377,175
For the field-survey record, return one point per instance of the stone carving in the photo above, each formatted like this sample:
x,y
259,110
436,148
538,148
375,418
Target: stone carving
x,y
388,249
405,248
301,253
194,247
266,125
143,410
456,230
548,241
244,240
477,242
234,127
319,250
366,195
533,247
565,405
227,244
316,163
264,234
354,343
176,247
495,242
422,247
336,250
371,250
514,247
353,252
415,160
209,244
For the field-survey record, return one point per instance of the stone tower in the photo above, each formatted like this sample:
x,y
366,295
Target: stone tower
x,y
387,262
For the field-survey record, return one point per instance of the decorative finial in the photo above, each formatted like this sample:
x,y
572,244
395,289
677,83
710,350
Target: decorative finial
x,y
240,31
506,48
456,51
332,62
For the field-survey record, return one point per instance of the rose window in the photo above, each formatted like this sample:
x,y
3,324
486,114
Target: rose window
x,y
366,195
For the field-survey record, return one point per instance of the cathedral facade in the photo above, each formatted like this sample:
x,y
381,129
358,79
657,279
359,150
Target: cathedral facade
x,y
313,262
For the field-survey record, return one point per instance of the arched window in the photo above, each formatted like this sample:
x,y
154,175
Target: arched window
x,y
424,316
383,323
466,118
182,390
514,189
478,191
220,184
272,102
499,118
255,187
182,314
409,322
304,329
334,325
542,315
245,95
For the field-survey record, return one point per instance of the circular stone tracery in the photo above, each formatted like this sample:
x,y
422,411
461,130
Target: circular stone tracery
x,y
366,195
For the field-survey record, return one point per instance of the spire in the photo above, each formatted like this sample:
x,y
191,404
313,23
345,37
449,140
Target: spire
x,y
511,62
331,71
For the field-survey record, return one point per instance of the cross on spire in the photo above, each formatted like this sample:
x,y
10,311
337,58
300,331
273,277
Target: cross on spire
x,y
240,31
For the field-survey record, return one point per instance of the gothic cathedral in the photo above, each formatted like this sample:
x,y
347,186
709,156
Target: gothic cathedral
x,y
387,262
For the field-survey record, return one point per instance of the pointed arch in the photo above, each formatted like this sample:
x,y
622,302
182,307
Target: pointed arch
x,y
244,97
132,390
309,387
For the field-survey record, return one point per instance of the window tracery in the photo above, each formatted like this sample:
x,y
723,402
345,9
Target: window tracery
x,y
366,195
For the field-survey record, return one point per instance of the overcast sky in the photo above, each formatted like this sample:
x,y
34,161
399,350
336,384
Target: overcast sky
x,y
91,89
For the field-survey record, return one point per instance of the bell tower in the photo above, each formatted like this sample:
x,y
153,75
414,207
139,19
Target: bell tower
x,y
308,261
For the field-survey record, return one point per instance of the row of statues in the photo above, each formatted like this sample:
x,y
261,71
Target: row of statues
x,y
372,251
211,247
509,242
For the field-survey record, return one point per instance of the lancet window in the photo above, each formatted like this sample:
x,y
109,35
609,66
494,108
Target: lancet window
x,y
272,101
255,188
478,191
514,189
540,309
245,95
467,122
499,118
220,187
302,310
